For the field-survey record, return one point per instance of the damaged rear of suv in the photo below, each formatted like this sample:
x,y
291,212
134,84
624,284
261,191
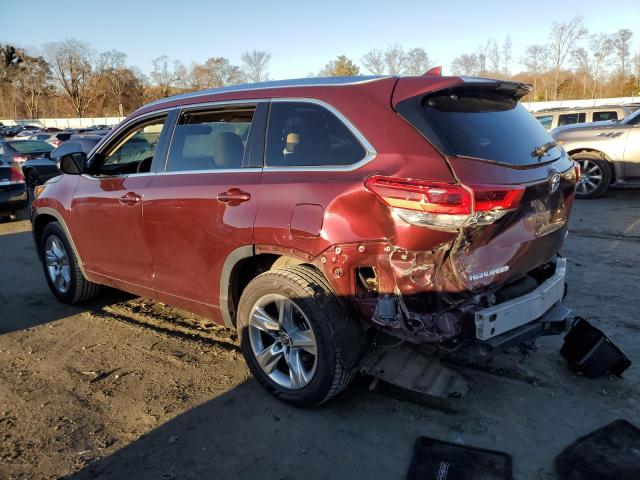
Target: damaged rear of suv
x,y
309,214
478,257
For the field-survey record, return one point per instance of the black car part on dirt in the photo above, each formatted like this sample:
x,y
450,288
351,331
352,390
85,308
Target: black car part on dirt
x,y
591,352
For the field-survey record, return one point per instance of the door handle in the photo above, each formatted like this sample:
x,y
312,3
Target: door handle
x,y
129,199
234,196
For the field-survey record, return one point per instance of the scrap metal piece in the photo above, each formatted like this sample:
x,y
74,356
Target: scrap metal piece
x,y
404,367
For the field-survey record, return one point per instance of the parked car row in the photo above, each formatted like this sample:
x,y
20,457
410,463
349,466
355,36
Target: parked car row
x,y
608,153
552,118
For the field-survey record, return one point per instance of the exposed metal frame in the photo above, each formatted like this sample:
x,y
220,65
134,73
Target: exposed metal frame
x,y
491,322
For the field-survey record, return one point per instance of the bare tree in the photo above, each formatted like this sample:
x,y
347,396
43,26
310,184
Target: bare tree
x,y
373,61
72,65
483,57
601,47
395,59
536,60
635,62
466,64
622,45
507,54
582,60
418,61
562,40
163,75
255,65
493,53
111,64
31,81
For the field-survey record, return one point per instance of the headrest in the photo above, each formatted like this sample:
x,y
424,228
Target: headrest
x,y
228,150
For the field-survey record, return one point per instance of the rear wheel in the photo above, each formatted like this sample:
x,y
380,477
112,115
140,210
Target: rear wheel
x,y
595,175
61,267
299,343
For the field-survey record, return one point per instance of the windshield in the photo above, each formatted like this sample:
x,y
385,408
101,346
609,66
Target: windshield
x,y
30,146
479,123
632,119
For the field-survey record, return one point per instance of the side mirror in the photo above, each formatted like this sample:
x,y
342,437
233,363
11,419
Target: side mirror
x,y
73,163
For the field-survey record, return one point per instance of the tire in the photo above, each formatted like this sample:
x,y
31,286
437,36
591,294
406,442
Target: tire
x,y
596,175
32,181
338,340
74,288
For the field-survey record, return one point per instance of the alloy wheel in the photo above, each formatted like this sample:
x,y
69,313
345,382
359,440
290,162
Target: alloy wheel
x,y
590,177
57,261
283,341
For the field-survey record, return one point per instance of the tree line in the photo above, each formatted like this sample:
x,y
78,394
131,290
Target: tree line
x,y
70,78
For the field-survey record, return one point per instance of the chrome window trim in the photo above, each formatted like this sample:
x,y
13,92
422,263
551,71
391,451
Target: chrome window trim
x,y
210,170
370,151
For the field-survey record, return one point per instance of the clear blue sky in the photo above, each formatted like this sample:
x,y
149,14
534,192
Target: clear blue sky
x,y
301,36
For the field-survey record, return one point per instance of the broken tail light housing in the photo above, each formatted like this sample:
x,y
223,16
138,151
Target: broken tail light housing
x,y
444,205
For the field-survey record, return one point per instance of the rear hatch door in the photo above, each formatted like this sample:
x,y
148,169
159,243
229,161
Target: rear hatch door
x,y
493,144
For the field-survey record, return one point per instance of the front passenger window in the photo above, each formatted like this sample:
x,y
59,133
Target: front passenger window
x,y
134,153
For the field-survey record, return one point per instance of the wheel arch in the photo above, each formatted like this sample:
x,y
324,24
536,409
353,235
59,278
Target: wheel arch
x,y
612,165
240,267
44,216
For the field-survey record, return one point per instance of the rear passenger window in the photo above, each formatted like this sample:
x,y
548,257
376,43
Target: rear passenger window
x,y
210,140
303,134
602,116
571,118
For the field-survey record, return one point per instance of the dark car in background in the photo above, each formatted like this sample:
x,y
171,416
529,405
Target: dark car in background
x,y
40,169
54,139
16,129
13,190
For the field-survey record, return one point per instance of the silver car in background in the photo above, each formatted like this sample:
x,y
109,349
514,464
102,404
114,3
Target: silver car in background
x,y
608,154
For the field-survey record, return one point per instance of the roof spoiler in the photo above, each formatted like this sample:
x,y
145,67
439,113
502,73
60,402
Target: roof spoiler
x,y
408,87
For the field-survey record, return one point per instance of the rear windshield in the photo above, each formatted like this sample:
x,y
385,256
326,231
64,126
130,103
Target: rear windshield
x,y
479,123
30,146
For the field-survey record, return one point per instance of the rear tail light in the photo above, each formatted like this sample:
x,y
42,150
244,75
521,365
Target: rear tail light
x,y
16,173
444,205
578,170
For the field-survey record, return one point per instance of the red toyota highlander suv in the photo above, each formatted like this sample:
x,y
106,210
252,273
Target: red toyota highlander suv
x,y
308,214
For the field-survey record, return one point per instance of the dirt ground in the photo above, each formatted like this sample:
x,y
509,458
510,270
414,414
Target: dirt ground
x,y
125,388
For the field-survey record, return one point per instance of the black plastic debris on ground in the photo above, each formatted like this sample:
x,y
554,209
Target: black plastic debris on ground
x,y
591,352
437,460
612,452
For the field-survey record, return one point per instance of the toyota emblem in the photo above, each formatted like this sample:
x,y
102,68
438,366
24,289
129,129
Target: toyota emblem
x,y
554,182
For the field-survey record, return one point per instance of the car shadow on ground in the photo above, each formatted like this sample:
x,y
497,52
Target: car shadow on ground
x,y
25,299
228,436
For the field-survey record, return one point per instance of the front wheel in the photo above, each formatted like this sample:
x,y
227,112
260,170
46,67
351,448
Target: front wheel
x,y
595,175
61,267
299,343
